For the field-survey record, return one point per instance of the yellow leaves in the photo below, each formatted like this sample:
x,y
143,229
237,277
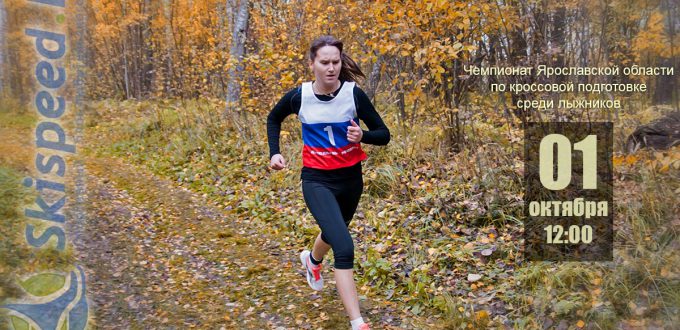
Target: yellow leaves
x,y
653,39
465,24
627,160
580,324
386,47
287,79
481,316
663,161
660,161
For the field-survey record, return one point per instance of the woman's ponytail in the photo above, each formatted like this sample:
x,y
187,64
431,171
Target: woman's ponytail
x,y
350,70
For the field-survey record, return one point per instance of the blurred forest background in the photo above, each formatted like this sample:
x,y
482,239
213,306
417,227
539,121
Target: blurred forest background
x,y
181,88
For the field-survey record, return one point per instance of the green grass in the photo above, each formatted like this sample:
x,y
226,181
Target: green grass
x,y
13,250
17,120
17,258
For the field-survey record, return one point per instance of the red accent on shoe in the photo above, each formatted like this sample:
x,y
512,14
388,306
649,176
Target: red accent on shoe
x,y
364,326
316,269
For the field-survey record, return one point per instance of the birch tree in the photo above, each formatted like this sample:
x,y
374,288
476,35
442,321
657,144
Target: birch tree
x,y
236,53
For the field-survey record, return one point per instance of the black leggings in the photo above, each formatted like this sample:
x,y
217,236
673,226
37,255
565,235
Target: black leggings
x,y
333,205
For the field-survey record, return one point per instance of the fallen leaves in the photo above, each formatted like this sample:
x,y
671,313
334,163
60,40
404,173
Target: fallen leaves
x,y
473,277
188,270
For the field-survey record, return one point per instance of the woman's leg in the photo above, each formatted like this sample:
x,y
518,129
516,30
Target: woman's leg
x,y
324,206
348,201
320,248
344,278
322,203
344,281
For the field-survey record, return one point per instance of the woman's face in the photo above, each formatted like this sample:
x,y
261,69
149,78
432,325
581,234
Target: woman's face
x,y
326,65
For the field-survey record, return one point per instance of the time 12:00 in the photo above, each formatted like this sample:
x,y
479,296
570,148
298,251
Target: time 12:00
x,y
574,235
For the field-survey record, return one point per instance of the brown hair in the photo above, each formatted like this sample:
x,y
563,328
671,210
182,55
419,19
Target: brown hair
x,y
350,70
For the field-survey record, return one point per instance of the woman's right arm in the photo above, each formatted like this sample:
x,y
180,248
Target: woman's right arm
x,y
281,110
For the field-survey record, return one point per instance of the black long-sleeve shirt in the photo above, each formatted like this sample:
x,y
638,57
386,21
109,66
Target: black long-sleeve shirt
x,y
290,103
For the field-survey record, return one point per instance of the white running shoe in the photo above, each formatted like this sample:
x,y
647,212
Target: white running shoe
x,y
313,272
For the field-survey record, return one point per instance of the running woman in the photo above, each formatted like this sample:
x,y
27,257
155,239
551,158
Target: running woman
x,y
330,109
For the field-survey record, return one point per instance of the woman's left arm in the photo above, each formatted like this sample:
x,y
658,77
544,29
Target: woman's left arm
x,y
377,133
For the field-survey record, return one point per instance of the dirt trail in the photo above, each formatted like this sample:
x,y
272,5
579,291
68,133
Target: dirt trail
x,y
160,256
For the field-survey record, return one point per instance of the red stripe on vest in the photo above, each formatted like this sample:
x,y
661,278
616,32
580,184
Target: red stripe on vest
x,y
332,158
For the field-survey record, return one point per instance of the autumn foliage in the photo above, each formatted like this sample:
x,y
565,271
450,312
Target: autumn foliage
x,y
414,52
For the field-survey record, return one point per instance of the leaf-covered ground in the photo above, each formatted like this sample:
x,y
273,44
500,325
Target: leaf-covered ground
x,y
426,246
158,255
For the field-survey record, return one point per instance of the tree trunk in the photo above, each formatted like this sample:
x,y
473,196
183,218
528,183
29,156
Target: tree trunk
x,y
673,61
558,41
126,69
585,42
169,46
559,44
222,15
517,57
236,53
374,79
149,75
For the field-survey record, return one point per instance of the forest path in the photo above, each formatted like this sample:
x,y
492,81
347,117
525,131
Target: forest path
x,y
160,256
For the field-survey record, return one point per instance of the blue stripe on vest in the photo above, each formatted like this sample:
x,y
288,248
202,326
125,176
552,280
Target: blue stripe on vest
x,y
316,135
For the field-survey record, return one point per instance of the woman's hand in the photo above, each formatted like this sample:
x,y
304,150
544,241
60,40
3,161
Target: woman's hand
x,y
354,132
277,162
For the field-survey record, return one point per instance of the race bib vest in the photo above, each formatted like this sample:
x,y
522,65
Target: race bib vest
x,y
324,129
